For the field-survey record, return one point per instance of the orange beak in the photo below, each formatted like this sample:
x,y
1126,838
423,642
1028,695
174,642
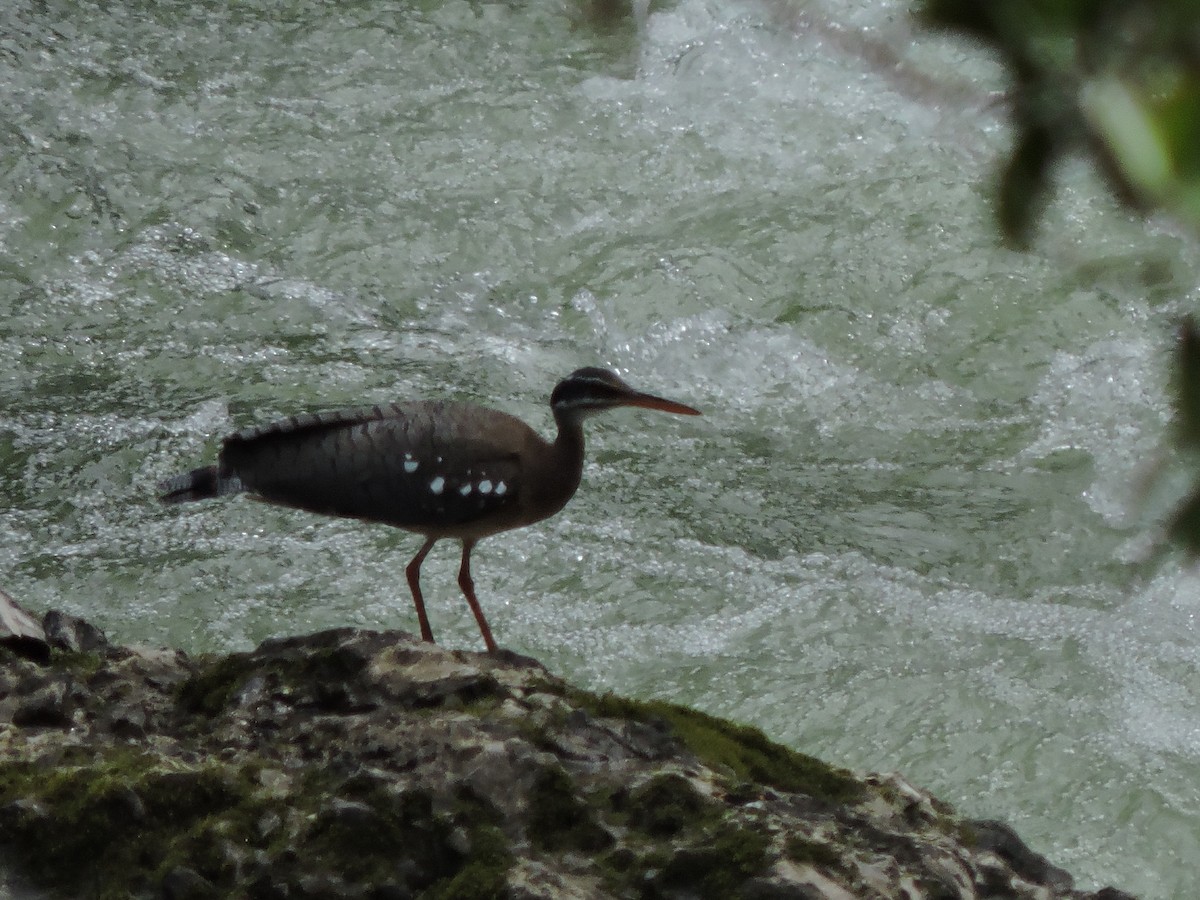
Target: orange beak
x,y
649,401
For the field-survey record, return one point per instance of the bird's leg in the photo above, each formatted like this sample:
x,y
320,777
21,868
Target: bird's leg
x,y
468,589
414,584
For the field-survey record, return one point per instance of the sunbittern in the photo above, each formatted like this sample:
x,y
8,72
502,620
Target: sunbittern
x,y
442,470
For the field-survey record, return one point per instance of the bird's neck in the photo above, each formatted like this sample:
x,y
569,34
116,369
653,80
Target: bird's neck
x,y
561,477
568,445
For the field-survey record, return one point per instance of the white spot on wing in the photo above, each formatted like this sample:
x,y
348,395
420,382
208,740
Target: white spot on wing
x,y
501,488
437,484
485,487
410,466
465,489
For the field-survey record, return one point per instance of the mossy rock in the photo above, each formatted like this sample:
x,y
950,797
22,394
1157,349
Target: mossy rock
x,y
324,676
484,876
743,751
712,867
384,839
86,828
804,850
664,806
81,663
558,819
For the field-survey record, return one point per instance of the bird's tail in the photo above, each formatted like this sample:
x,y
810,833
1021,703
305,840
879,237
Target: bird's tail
x,y
198,484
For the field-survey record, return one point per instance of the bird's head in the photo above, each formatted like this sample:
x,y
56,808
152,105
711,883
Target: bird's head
x,y
588,391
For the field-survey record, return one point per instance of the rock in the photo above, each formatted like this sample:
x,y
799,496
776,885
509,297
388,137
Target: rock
x,y
67,632
355,764
46,707
1000,839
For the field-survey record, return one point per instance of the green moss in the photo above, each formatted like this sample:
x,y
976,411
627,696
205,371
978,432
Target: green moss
x,y
558,819
329,677
744,751
468,809
966,833
377,837
680,844
485,874
664,806
77,662
481,698
322,673
800,849
536,734
715,866
208,691
103,829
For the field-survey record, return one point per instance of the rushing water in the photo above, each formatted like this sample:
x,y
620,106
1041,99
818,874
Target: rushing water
x,y
905,535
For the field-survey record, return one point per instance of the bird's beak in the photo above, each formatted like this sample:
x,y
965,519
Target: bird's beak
x,y
649,401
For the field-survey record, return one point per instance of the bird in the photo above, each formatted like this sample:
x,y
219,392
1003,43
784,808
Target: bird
x,y
440,469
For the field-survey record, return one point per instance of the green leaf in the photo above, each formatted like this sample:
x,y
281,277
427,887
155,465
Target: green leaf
x,y
1131,135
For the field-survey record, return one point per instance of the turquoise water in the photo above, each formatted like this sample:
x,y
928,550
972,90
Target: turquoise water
x,y
907,533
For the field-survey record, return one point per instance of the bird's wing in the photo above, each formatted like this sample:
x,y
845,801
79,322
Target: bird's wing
x,y
414,465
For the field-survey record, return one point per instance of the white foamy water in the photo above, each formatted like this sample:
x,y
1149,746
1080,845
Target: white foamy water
x,y
906,534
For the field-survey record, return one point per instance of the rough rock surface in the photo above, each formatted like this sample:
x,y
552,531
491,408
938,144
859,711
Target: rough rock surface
x,y
369,765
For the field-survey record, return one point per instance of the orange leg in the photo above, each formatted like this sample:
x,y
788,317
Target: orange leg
x,y
468,589
414,583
